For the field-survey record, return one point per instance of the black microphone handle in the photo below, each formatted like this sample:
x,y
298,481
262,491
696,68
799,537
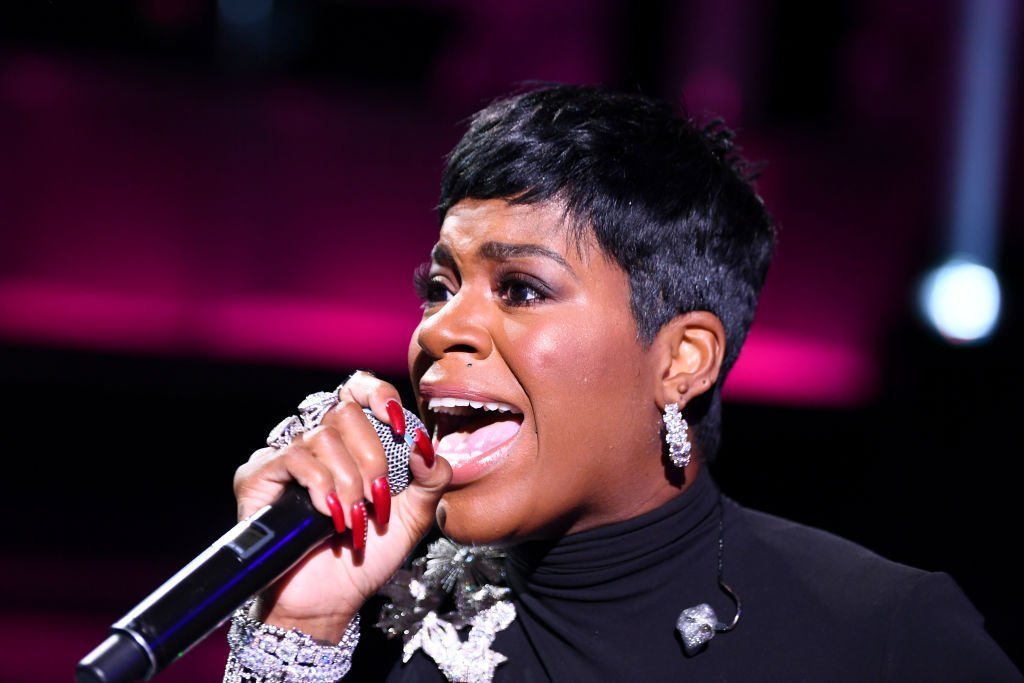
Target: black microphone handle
x,y
206,592
196,600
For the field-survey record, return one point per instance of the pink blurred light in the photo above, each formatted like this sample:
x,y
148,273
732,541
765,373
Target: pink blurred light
x,y
49,646
780,368
302,332
51,636
271,329
44,311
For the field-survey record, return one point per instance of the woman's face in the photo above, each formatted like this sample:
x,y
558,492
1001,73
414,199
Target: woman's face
x,y
528,370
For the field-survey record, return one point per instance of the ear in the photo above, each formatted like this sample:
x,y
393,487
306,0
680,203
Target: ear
x,y
692,347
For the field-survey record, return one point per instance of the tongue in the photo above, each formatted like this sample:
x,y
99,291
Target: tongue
x,y
459,446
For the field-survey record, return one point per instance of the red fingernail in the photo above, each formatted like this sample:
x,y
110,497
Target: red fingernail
x,y
358,526
336,512
381,500
397,416
426,448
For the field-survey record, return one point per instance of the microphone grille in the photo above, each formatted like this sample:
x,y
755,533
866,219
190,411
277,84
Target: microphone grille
x,y
396,449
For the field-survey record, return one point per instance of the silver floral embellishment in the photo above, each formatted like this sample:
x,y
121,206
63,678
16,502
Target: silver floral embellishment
x,y
453,565
465,581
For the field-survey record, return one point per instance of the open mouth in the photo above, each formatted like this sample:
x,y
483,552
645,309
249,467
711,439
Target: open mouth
x,y
465,430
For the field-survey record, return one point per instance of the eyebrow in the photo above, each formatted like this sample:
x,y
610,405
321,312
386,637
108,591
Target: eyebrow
x,y
503,251
440,254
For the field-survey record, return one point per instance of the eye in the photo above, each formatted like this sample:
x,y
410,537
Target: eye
x,y
431,289
517,289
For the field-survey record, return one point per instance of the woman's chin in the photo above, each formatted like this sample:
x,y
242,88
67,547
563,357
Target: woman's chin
x,y
492,490
459,519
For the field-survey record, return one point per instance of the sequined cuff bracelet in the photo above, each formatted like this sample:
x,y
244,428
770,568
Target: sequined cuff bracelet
x,y
261,653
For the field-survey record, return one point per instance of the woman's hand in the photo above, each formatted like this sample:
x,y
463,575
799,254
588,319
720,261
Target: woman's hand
x,y
341,462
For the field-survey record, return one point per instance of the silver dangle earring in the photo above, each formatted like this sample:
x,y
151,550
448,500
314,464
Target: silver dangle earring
x,y
676,436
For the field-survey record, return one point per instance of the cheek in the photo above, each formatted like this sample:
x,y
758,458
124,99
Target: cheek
x,y
575,355
583,378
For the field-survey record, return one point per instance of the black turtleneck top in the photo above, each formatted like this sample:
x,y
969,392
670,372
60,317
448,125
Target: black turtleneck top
x,y
602,605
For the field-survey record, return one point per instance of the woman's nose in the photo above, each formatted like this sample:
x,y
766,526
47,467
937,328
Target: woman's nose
x,y
459,326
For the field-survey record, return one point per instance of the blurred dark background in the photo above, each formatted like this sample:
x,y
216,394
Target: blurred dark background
x,y
210,209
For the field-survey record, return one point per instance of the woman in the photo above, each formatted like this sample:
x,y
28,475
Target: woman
x,y
597,270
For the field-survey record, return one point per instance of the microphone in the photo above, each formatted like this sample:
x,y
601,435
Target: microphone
x,y
241,563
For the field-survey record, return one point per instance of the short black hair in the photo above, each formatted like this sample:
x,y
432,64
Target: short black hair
x,y
670,200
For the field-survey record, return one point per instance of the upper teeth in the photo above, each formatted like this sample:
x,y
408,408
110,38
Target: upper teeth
x,y
444,405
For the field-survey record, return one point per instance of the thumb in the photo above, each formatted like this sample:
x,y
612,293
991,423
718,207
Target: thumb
x,y
430,478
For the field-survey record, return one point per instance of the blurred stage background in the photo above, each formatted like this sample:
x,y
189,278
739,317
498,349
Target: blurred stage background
x,y
210,209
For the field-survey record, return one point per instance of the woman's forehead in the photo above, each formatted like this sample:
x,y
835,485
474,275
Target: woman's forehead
x,y
498,229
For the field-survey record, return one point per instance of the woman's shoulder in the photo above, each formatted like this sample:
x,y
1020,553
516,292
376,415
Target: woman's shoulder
x,y
808,549
821,564
918,624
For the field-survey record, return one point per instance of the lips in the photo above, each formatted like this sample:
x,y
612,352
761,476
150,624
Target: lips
x,y
472,435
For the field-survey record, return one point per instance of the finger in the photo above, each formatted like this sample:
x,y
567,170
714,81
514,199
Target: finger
x,y
261,480
261,455
244,487
337,511
424,446
430,478
330,449
364,444
361,441
380,397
